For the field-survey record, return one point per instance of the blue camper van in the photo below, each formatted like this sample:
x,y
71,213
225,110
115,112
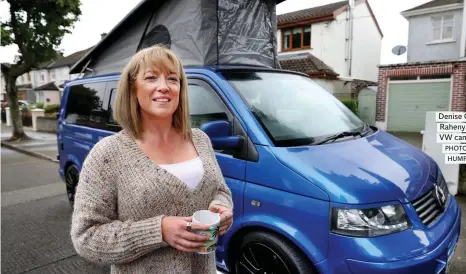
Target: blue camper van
x,y
315,189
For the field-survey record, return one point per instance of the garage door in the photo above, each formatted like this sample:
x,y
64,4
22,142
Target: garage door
x,y
409,102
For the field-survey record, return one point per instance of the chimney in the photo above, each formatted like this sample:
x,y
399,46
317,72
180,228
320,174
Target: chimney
x,y
102,35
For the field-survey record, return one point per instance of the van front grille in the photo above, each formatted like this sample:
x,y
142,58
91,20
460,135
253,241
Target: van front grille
x,y
429,206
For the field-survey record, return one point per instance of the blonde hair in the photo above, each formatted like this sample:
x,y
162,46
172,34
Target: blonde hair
x,y
127,111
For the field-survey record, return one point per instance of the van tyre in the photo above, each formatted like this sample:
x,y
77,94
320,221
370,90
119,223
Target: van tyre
x,y
264,252
71,179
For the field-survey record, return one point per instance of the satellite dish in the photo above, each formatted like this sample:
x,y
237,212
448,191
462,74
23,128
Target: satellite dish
x,y
399,50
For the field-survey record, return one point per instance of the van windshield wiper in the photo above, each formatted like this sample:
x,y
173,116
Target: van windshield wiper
x,y
338,136
365,129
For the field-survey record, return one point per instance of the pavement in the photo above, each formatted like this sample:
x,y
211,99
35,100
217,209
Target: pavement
x,y
41,144
36,218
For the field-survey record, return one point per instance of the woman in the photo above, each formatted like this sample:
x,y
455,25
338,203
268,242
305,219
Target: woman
x,y
138,187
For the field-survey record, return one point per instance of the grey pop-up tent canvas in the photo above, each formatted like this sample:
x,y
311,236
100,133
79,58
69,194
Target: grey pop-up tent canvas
x,y
200,32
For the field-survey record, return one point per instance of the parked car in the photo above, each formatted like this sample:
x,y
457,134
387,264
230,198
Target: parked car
x,y
315,189
21,103
24,103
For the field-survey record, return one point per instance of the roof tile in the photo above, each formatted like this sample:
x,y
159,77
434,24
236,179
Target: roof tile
x,y
436,3
48,86
311,13
69,60
306,63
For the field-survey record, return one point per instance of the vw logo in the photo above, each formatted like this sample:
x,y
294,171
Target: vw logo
x,y
440,196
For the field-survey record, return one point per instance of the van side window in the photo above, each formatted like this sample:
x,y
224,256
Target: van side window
x,y
204,104
84,105
110,120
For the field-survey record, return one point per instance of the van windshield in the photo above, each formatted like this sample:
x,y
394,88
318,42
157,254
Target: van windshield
x,y
294,110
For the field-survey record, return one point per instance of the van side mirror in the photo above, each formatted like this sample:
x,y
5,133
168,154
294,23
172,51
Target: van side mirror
x,y
220,135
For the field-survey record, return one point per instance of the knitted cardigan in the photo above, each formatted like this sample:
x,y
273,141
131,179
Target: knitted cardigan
x,y
121,197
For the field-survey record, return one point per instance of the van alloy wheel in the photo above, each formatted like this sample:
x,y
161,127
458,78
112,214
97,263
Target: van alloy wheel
x,y
71,178
258,258
269,253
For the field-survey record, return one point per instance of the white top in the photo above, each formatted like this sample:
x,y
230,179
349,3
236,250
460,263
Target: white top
x,y
189,172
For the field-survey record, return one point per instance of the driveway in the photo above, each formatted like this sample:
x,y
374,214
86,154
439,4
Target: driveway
x,y
413,138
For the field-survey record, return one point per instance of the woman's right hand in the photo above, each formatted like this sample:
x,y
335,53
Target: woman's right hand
x,y
176,234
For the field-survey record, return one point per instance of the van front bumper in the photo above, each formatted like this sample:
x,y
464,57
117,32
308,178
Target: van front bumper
x,y
417,250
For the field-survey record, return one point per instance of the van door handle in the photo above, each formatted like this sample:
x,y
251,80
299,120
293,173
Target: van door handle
x,y
255,203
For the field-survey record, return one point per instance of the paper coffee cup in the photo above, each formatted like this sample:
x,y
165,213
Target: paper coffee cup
x,y
211,219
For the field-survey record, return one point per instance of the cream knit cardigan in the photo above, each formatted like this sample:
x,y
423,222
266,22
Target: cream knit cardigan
x,y
121,198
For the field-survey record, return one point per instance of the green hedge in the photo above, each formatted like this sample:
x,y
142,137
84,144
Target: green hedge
x,y
51,115
351,104
52,108
38,105
25,108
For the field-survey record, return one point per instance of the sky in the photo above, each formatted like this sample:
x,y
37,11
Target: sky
x,y
99,16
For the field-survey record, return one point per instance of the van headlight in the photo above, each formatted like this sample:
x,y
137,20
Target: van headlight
x,y
369,222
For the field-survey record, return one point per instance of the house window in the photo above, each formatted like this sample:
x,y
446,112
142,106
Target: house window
x,y
29,77
442,27
42,77
286,39
40,96
296,38
52,74
307,37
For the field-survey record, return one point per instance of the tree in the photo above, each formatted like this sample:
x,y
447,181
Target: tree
x,y
37,28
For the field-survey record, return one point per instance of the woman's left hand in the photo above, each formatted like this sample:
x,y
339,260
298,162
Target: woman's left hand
x,y
226,217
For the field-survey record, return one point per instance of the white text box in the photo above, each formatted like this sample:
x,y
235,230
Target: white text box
x,y
455,158
450,116
451,138
453,148
451,127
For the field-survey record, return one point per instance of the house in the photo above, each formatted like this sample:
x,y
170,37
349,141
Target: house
x,y
435,30
337,44
22,94
59,70
54,72
48,94
49,81
433,79
24,87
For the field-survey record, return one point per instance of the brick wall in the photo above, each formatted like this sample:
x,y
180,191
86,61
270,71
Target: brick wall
x,y
456,69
